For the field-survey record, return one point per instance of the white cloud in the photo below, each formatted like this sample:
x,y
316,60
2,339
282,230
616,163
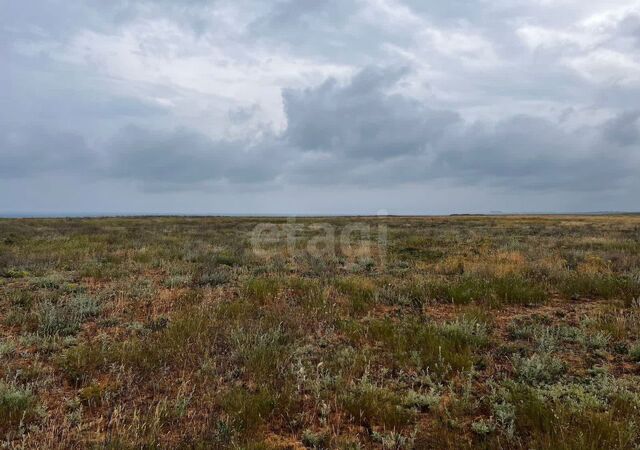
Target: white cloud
x,y
607,67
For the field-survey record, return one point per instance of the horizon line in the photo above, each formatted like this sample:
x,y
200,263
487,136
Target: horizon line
x,y
98,215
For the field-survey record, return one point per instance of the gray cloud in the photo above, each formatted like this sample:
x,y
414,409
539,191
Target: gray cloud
x,y
361,119
624,129
352,125
357,133
525,152
237,96
183,158
32,151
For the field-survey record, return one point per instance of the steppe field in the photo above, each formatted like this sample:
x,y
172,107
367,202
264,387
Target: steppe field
x,y
496,332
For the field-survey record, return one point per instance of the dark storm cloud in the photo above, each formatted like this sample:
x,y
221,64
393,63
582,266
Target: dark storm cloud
x,y
361,119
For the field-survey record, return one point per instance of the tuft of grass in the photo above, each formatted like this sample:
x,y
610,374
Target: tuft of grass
x,y
213,279
595,286
6,348
506,290
539,368
248,411
370,405
634,352
262,289
516,290
414,345
177,281
17,406
64,319
78,363
360,291
314,440
15,272
558,425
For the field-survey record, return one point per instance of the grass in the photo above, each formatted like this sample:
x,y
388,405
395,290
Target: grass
x,y
600,286
65,318
17,406
371,405
170,332
412,345
500,291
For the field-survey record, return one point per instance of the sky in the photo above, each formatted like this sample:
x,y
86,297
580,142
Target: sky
x,y
319,106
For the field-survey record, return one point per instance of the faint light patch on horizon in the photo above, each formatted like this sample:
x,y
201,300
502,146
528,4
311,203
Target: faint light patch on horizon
x,y
319,107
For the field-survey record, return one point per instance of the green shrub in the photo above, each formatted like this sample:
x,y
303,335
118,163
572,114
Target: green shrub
x,y
421,402
549,424
594,341
465,330
408,293
482,427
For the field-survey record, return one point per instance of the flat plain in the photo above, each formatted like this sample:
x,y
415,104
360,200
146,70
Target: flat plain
x,y
518,332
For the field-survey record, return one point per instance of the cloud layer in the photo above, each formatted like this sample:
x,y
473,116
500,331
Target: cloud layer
x,y
222,100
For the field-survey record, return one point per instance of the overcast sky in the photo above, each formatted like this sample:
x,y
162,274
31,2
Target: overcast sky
x,y
319,106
